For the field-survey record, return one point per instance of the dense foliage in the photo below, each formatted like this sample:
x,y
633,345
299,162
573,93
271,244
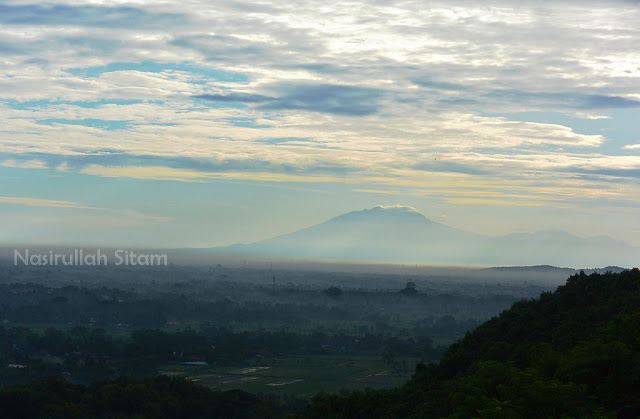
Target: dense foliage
x,y
571,353
86,354
156,397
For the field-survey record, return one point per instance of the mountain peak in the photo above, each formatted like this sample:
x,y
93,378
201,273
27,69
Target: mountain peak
x,y
392,213
394,208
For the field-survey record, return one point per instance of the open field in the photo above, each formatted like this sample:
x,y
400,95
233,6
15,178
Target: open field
x,y
301,376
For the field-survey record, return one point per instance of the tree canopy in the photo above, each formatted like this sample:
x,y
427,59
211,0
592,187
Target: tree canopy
x,y
571,353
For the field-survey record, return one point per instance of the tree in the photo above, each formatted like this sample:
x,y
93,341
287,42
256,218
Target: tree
x,y
409,289
333,292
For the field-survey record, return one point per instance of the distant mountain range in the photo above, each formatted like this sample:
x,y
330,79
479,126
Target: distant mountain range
x,y
401,234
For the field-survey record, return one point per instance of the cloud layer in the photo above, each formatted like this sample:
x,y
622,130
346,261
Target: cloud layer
x,y
408,98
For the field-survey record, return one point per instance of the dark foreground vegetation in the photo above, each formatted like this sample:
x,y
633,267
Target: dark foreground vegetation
x,y
154,397
571,353
574,352
83,355
210,322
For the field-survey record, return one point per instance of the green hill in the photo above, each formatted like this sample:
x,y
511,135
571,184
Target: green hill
x,y
571,353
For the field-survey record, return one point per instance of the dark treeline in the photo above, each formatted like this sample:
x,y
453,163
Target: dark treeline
x,y
86,354
154,397
446,316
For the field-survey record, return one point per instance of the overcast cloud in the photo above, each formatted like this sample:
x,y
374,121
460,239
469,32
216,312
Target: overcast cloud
x,y
414,98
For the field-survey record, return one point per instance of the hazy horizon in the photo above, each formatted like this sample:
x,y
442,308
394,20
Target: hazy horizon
x,y
89,243
376,236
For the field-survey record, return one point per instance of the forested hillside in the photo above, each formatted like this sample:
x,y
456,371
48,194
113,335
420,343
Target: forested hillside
x,y
574,352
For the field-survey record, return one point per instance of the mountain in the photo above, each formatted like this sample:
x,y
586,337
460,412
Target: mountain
x,y
381,234
401,234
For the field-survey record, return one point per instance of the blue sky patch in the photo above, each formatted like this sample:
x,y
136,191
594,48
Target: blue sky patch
x,y
246,123
93,123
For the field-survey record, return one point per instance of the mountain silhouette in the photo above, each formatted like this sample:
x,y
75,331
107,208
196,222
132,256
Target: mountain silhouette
x,y
401,234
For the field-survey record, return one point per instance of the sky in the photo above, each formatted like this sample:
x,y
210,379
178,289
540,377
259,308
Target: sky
x,y
199,123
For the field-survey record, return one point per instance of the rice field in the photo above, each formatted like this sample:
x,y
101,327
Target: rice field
x,y
302,376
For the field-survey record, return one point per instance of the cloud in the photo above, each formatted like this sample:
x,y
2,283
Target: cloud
x,y
174,69
86,15
185,175
123,214
440,85
448,166
470,95
398,95
333,99
495,202
235,97
48,203
396,207
604,102
632,147
24,164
